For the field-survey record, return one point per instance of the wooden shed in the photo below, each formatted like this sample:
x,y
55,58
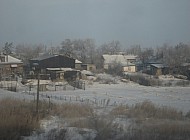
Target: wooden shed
x,y
52,61
158,69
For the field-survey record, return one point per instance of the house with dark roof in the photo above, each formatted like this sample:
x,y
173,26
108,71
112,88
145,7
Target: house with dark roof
x,y
159,69
52,61
59,67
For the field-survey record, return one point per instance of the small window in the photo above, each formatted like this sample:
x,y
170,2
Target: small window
x,y
90,68
3,59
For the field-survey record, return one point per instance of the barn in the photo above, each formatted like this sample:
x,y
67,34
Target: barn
x,y
52,61
48,64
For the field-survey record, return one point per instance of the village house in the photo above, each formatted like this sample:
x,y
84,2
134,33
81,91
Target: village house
x,y
55,67
10,66
124,60
52,61
158,69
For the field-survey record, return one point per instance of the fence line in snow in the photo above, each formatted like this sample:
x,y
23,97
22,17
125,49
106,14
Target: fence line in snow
x,y
67,98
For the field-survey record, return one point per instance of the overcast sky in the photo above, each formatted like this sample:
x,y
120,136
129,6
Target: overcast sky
x,y
146,22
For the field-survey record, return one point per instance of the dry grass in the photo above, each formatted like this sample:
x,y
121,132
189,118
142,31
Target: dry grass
x,y
154,122
17,118
69,110
161,130
103,125
120,111
147,109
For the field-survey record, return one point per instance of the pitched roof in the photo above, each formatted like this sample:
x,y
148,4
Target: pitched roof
x,y
44,56
77,61
11,60
159,65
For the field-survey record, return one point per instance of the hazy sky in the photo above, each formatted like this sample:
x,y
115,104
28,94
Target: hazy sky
x,y
145,22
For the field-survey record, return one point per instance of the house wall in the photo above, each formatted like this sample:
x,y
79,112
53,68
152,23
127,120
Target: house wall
x,y
156,71
7,70
78,66
106,66
129,69
89,67
57,76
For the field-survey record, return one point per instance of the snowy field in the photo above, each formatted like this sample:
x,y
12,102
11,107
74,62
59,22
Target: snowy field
x,y
130,93
103,96
112,95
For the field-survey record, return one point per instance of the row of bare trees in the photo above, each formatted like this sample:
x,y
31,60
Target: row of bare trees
x,y
87,51
24,52
174,56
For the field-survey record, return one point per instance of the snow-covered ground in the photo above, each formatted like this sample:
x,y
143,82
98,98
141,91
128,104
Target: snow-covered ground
x,y
101,95
130,93
114,94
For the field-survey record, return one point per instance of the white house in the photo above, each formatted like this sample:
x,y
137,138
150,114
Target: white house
x,y
124,60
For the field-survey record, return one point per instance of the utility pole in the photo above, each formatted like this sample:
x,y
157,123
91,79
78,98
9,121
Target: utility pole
x,y
38,88
37,69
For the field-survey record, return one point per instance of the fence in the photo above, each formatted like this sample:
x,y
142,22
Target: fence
x,y
9,85
75,99
78,84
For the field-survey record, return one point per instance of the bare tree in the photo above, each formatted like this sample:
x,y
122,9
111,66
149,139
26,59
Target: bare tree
x,y
115,68
83,50
27,51
115,47
134,49
67,47
146,54
7,49
111,48
174,57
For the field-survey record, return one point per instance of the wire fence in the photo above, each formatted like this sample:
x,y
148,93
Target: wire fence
x,y
75,99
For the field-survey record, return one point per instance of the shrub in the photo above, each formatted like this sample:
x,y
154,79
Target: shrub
x,y
153,122
183,83
106,79
103,125
142,80
115,68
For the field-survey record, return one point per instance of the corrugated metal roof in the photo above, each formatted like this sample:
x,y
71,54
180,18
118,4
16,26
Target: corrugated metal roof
x,y
158,65
61,69
45,56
